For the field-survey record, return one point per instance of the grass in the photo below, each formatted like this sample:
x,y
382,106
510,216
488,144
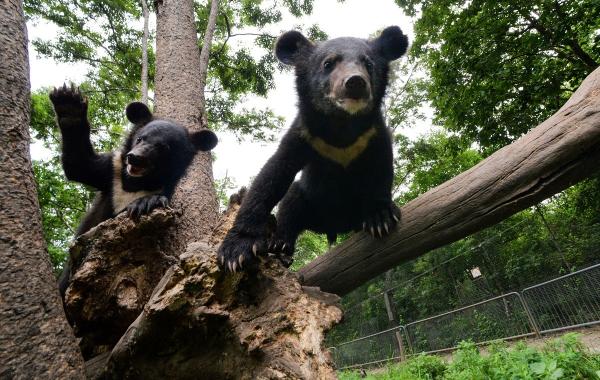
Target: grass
x,y
562,358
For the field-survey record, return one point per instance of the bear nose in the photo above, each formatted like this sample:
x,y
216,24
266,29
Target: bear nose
x,y
356,87
133,159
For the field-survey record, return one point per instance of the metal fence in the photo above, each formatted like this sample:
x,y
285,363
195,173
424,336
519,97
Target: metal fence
x,y
569,301
371,349
563,303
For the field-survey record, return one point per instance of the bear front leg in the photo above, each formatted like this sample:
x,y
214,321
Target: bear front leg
x,y
144,205
291,221
80,161
249,235
380,218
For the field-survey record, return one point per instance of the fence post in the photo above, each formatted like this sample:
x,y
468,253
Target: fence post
x,y
392,319
529,314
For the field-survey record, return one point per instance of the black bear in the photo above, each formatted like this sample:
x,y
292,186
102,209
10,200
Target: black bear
x,y
139,177
338,140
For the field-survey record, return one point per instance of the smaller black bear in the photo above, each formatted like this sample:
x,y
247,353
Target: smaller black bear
x,y
338,140
139,177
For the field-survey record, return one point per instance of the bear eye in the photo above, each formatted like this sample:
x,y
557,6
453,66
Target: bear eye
x,y
368,64
328,64
138,140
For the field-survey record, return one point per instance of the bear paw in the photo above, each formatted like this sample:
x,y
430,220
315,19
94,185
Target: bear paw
x,y
381,222
69,103
144,205
240,251
282,250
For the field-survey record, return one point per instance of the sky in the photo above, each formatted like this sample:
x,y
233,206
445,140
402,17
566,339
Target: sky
x,y
242,161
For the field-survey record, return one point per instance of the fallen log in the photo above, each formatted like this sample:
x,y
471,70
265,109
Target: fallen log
x,y
195,321
556,154
119,262
201,322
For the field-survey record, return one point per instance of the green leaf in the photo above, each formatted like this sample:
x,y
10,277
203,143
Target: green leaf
x,y
538,368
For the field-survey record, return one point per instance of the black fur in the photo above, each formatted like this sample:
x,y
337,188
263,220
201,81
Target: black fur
x,y
341,84
139,177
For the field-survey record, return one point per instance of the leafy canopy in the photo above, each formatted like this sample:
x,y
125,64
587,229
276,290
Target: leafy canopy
x,y
498,68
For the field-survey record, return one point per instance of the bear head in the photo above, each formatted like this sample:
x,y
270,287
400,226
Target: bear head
x,y
342,76
159,148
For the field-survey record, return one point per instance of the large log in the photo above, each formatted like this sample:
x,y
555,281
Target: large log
x,y
556,154
195,321
118,263
203,323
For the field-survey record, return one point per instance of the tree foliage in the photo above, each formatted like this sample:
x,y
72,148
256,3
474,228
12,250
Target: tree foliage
x,y
498,68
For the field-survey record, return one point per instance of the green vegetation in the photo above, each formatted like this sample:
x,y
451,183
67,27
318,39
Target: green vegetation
x,y
498,68
563,358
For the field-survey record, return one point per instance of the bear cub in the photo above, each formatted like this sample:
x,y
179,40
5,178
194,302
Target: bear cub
x,y
140,176
338,140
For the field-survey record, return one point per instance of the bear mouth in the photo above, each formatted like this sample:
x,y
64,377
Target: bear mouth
x,y
136,170
351,105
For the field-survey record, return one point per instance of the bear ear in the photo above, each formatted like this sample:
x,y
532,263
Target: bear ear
x,y
391,43
138,113
203,140
289,45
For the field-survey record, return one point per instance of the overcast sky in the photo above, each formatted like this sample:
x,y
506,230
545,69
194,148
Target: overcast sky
x,y
241,161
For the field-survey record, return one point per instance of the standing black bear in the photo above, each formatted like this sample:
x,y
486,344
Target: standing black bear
x,y
139,177
338,140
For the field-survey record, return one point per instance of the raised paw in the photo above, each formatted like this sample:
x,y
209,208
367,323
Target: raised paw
x,y
145,205
68,102
240,251
383,221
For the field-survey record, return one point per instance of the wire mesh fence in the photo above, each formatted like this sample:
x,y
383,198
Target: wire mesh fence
x,y
504,316
572,300
563,303
371,349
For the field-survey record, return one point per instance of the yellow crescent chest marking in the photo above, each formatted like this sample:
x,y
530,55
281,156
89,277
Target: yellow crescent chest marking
x,y
121,198
343,156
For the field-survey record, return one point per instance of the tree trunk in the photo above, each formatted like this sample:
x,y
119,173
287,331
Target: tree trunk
x,y
556,154
35,339
179,94
124,261
144,89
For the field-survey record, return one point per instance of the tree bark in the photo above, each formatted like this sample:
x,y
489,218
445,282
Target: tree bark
x,y
35,339
199,322
180,96
144,89
205,53
556,154
123,262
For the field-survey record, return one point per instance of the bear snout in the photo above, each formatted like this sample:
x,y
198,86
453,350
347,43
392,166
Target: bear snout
x,y
356,87
135,159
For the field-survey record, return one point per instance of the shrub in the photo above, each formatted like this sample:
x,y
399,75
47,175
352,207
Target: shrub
x,y
562,358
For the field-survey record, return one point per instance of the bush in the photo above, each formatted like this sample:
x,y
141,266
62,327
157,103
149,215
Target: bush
x,y
562,358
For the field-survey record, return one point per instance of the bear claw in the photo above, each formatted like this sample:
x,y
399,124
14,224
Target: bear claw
x,y
145,205
68,102
239,252
382,222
